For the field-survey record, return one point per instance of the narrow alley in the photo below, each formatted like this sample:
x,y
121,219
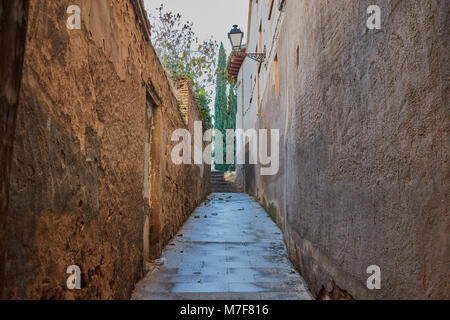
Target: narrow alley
x,y
229,249
224,150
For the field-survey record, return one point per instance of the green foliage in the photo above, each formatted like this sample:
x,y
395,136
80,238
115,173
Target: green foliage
x,y
225,107
231,118
273,212
220,105
232,108
184,56
203,101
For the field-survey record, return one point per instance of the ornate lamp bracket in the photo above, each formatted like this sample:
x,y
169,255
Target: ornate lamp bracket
x,y
259,57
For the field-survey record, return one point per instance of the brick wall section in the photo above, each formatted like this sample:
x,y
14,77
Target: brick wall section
x,y
185,96
77,178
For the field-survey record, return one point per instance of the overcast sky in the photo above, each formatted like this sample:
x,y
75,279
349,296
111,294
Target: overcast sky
x,y
210,17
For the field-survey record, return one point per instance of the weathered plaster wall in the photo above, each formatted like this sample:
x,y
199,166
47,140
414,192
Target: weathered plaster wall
x,y
77,191
364,146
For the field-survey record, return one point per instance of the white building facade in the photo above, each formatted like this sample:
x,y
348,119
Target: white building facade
x,y
254,79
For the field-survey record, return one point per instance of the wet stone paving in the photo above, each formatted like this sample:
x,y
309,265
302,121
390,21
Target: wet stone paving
x,y
229,249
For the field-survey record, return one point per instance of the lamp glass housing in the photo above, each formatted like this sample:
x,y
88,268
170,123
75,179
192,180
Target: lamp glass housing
x,y
236,36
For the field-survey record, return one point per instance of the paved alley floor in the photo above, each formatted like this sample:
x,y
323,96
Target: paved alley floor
x,y
228,249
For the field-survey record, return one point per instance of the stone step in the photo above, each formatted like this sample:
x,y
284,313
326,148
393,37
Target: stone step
x,y
217,180
217,174
222,183
234,189
225,187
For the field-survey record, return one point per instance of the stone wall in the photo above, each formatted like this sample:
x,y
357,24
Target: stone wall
x,y
363,119
92,183
185,97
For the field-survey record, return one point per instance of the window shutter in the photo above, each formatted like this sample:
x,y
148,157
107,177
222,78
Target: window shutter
x,y
271,9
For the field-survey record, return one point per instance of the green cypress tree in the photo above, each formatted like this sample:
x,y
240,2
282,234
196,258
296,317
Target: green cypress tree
x,y
231,119
220,105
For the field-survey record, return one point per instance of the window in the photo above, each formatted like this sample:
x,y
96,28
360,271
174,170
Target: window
x,y
260,43
271,9
298,56
275,72
252,88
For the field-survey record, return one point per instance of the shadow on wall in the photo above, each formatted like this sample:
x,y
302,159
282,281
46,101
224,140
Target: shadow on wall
x,y
249,175
12,42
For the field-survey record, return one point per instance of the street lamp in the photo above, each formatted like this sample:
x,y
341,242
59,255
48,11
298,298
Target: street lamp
x,y
236,36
